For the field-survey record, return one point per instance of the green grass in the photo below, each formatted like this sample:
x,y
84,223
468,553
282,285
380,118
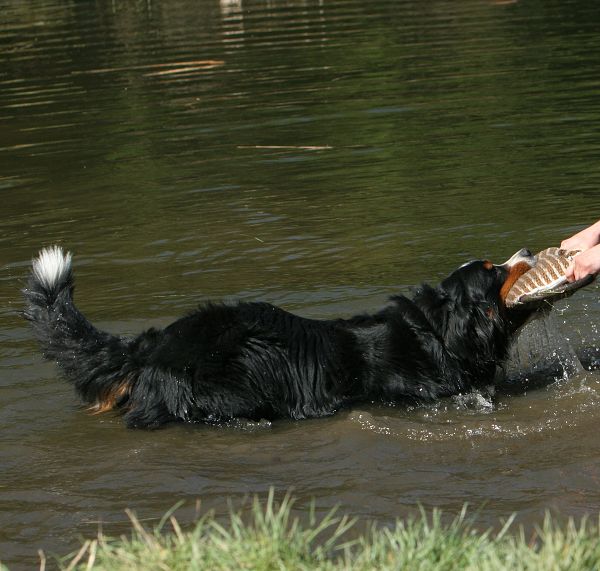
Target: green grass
x,y
272,539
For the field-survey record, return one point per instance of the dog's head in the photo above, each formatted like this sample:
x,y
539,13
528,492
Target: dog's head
x,y
485,285
468,308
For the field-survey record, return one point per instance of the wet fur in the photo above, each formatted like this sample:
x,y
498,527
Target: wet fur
x,y
254,360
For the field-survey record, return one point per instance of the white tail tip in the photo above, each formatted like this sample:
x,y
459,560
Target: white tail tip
x,y
51,266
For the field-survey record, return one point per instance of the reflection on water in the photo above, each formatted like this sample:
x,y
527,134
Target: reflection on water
x,y
320,155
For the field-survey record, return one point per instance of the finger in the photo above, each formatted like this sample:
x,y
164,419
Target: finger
x,y
580,273
571,244
570,272
581,270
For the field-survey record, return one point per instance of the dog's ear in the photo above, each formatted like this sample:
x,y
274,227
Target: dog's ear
x,y
435,304
476,333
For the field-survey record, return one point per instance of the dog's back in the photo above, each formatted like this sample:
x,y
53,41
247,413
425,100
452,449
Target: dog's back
x,y
255,360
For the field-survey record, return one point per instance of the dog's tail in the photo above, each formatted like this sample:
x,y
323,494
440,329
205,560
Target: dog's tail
x,y
97,363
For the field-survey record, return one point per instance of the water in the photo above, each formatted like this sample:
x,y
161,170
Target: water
x,y
320,155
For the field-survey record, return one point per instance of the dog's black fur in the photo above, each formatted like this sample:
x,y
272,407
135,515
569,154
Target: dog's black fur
x,y
254,360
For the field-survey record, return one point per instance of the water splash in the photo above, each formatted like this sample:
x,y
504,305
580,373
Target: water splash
x,y
475,401
248,425
542,351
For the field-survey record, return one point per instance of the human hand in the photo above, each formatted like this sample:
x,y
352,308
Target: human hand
x,y
584,264
583,240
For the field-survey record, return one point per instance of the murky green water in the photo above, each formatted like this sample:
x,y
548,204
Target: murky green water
x,y
320,155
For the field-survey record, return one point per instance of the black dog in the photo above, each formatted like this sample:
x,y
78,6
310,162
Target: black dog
x,y
254,360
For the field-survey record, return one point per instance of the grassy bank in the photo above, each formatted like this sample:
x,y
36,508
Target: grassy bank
x,y
271,539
